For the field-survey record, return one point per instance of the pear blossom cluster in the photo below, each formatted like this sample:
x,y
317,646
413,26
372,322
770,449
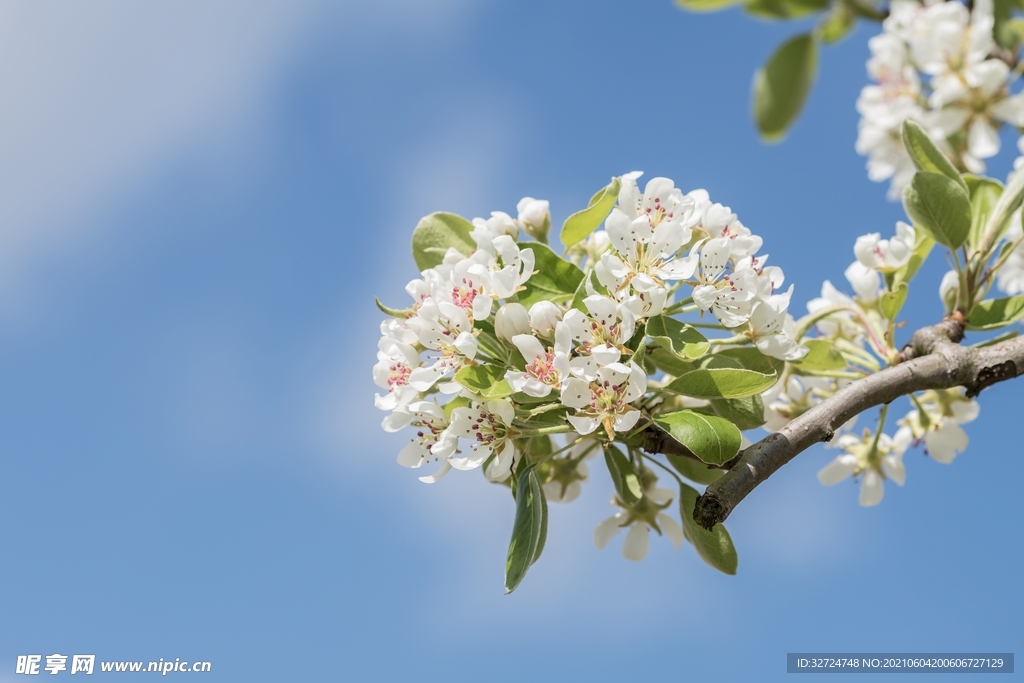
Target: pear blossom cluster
x,y
639,260
420,352
934,63
853,326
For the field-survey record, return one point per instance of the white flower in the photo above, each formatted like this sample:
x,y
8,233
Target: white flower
x,y
395,363
949,290
793,397
500,223
886,256
534,217
841,323
445,328
486,427
564,475
510,267
546,368
640,519
938,422
510,320
646,231
606,400
544,315
609,324
875,459
864,280
767,323
729,295
432,441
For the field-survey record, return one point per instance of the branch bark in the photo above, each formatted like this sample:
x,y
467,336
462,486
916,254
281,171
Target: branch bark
x,y
932,360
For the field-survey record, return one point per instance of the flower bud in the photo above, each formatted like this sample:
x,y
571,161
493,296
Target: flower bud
x,y
510,320
949,290
864,281
544,315
535,217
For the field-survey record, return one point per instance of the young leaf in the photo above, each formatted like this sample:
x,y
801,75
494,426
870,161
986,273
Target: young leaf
x,y
486,380
926,156
400,313
706,5
781,86
714,547
745,413
940,207
891,302
693,470
733,373
627,483
554,279
710,438
784,9
985,193
992,314
677,337
822,357
579,225
527,530
837,23
435,233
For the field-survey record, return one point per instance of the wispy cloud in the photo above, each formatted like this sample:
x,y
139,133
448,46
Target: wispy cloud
x,y
99,97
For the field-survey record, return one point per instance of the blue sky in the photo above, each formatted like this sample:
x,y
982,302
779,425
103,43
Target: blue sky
x,y
200,201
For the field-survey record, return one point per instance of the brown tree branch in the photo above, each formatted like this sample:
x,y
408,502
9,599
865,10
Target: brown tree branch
x,y
932,360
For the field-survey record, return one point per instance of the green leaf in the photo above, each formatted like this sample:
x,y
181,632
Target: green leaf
x,y
1009,201
992,314
781,86
680,339
822,357
927,156
555,278
890,303
529,527
693,470
940,207
435,233
714,547
734,373
579,225
706,5
400,313
985,194
917,258
784,9
745,413
712,439
837,23
627,483
486,380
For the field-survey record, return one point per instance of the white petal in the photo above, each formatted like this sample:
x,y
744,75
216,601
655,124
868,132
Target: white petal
x,y
607,530
894,469
837,470
584,425
443,470
637,542
946,442
871,489
671,528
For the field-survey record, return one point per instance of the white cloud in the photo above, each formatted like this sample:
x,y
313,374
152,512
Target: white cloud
x,y
100,96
